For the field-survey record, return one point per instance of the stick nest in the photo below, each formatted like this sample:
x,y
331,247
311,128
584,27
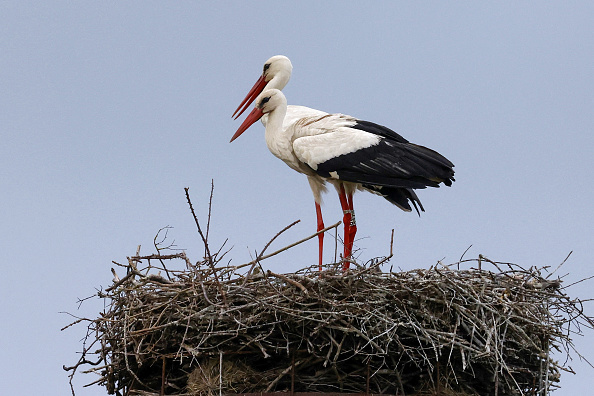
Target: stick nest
x,y
205,329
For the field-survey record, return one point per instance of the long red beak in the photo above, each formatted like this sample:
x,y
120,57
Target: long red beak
x,y
253,94
254,116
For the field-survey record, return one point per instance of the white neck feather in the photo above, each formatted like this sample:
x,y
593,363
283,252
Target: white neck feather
x,y
277,142
279,81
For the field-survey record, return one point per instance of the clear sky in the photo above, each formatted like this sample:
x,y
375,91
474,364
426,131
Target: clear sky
x,y
108,110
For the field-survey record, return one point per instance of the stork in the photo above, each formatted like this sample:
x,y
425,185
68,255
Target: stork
x,y
409,170
349,153
276,74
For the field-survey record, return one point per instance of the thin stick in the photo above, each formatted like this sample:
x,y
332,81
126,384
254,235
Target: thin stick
x,y
292,373
559,266
281,375
221,373
288,280
163,378
462,257
376,265
580,281
204,240
130,274
392,243
335,244
276,236
209,207
158,249
367,383
288,246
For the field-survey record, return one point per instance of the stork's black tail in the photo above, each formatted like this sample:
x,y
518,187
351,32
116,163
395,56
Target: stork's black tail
x,y
401,197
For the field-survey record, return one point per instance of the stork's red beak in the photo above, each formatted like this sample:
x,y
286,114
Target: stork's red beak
x,y
253,94
254,116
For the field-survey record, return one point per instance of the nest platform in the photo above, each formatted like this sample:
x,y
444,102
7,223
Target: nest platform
x,y
489,329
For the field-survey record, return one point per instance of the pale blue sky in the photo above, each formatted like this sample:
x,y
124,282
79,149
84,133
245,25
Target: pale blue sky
x,y
108,110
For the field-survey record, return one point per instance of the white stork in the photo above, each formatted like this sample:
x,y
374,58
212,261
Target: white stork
x,y
349,153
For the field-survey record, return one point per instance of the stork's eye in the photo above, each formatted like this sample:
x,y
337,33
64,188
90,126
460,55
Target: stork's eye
x,y
266,67
264,101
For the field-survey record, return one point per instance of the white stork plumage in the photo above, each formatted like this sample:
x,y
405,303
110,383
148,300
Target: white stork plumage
x,y
349,153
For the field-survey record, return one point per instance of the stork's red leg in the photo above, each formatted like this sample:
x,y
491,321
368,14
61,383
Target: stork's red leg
x,y
320,235
347,221
352,225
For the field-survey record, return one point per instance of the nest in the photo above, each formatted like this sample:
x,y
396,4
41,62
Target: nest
x,y
205,330
489,328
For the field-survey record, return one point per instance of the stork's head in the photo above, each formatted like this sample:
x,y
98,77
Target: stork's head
x,y
278,67
276,74
266,102
270,100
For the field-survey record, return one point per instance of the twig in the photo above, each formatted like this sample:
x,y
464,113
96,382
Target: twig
x,y
392,243
209,208
288,246
163,377
129,275
559,266
209,257
158,249
276,236
580,281
288,280
281,375
462,256
204,240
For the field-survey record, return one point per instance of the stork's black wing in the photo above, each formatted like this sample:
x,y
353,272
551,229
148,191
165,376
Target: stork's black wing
x,y
390,161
